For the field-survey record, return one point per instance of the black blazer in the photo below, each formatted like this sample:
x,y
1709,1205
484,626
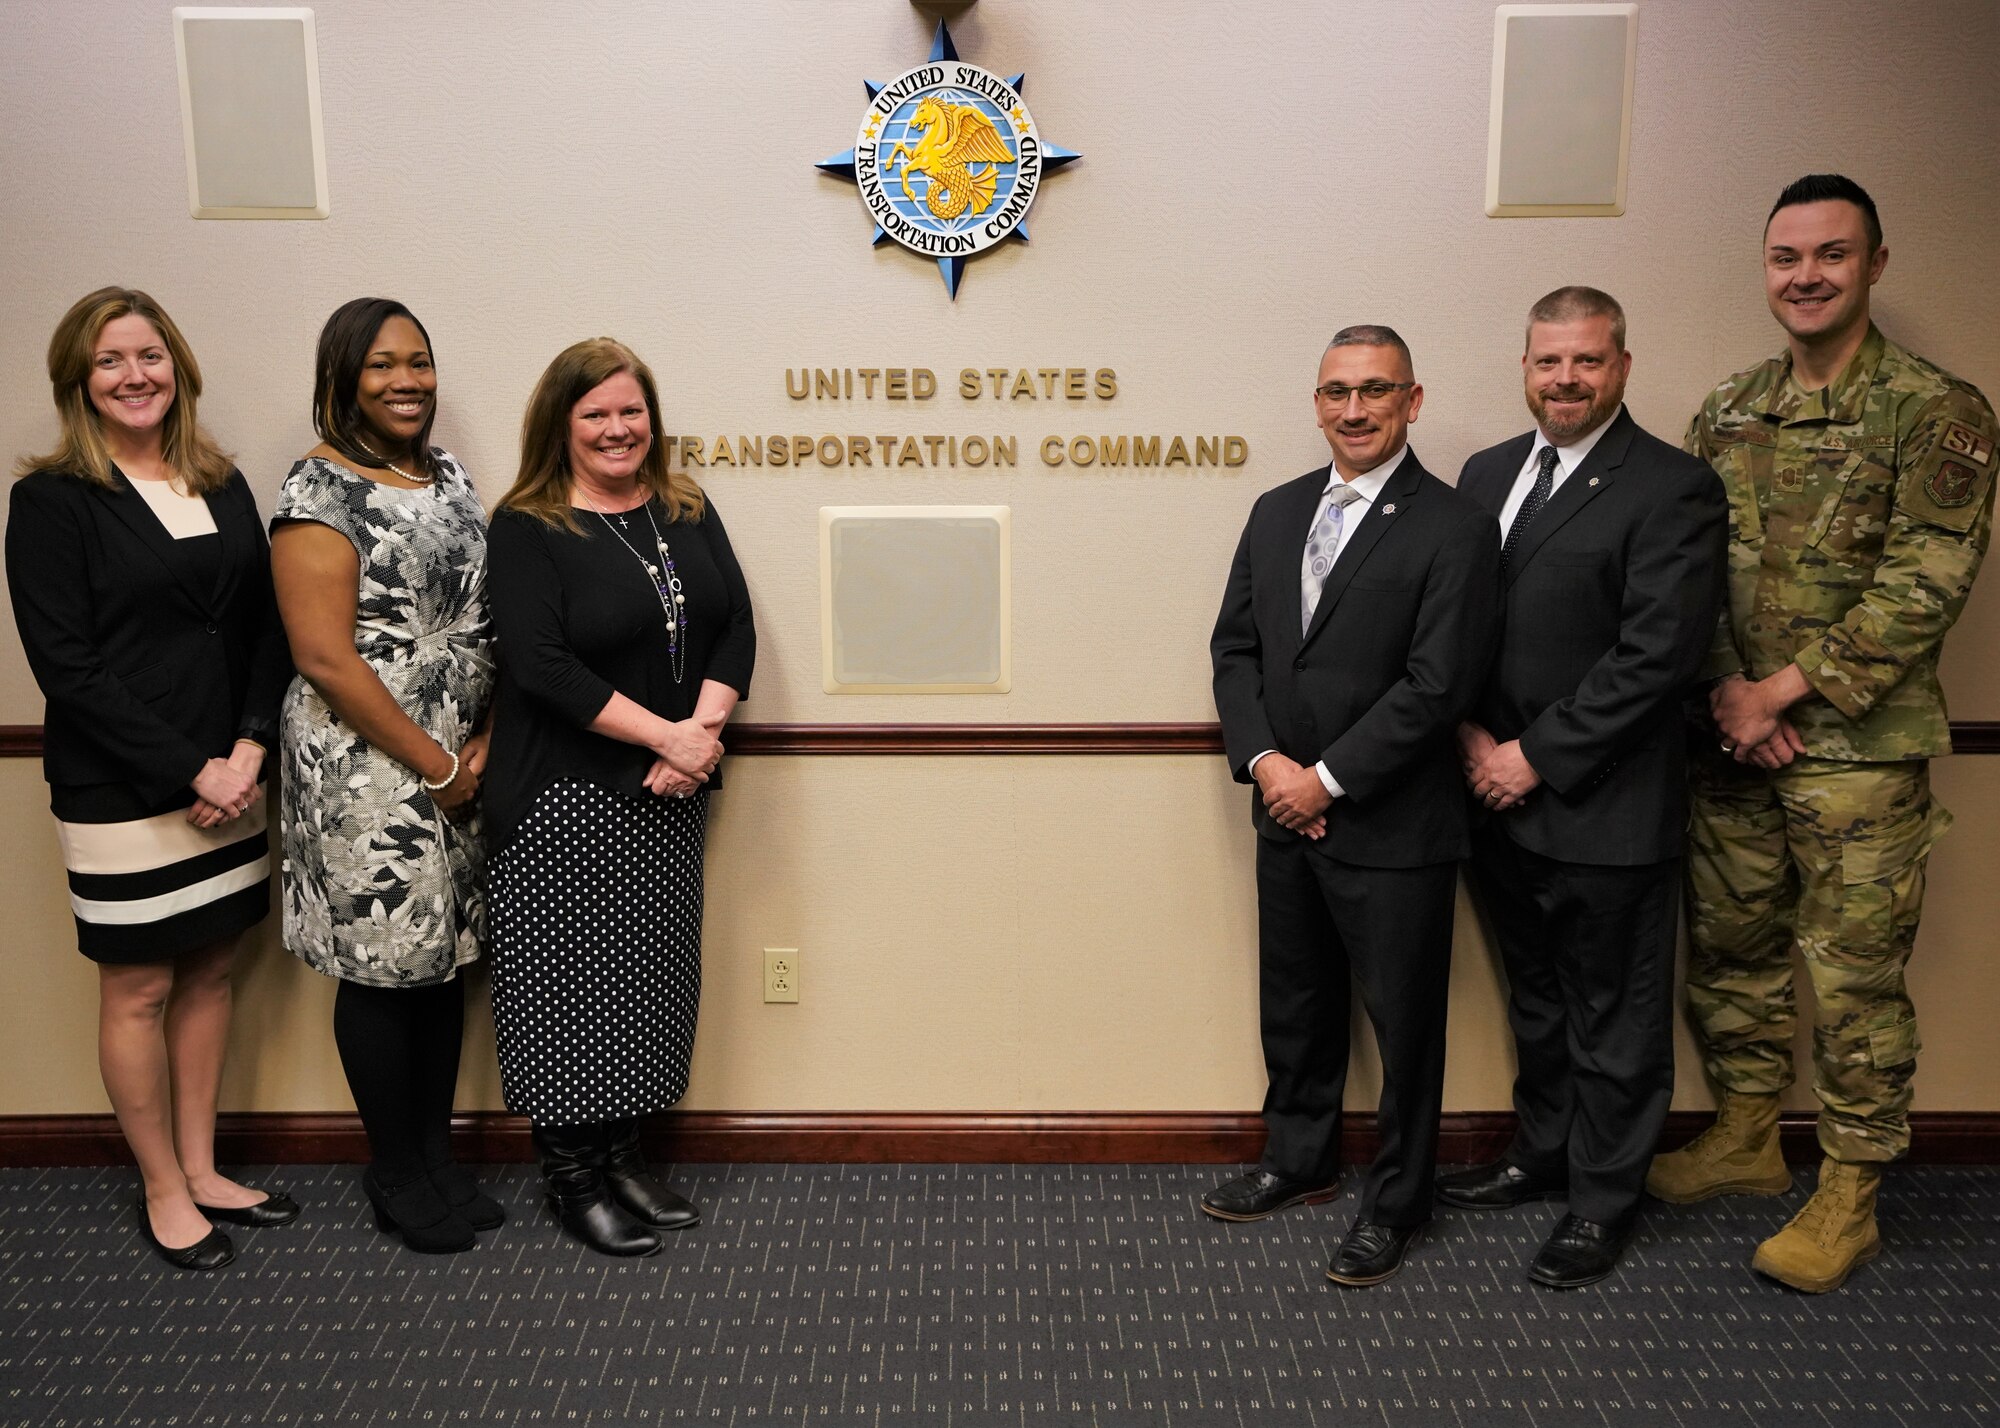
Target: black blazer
x,y
1608,607
1376,687
146,677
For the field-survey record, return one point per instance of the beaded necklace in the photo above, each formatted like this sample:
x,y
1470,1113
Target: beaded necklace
x,y
666,584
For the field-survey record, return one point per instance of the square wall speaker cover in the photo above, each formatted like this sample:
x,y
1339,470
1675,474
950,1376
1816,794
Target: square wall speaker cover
x,y
914,599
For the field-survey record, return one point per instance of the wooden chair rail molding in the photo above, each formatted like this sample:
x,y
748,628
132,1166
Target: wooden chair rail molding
x,y
25,740
911,1137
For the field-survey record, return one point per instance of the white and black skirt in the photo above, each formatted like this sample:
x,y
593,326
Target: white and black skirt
x,y
149,888
595,904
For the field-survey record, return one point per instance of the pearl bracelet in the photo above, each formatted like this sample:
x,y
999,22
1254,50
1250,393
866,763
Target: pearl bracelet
x,y
443,783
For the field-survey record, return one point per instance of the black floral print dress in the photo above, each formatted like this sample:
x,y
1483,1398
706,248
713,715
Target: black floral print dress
x,y
379,887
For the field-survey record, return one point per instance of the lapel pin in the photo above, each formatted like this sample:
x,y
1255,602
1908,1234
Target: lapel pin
x,y
1389,510
1593,480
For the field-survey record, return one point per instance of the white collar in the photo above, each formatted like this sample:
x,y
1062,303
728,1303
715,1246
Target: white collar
x,y
1570,457
1368,485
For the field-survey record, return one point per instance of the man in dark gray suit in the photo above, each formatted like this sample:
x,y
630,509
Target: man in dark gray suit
x,y
1612,570
1354,633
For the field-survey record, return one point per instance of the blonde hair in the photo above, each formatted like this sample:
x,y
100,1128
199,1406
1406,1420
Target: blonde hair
x,y
190,453
545,483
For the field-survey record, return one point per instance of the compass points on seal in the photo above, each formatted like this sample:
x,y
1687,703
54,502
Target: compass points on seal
x,y
948,160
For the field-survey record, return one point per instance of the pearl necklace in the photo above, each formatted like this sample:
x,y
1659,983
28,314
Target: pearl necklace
x,y
667,584
392,466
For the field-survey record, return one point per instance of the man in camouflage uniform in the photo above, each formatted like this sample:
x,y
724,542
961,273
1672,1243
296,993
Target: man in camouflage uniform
x,y
1860,483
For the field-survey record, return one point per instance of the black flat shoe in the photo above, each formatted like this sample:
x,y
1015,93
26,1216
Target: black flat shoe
x,y
417,1213
276,1208
461,1190
212,1251
1580,1252
1261,1194
1498,1186
1370,1253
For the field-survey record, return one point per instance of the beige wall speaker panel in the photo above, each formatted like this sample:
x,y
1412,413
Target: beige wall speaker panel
x,y
250,118
1560,131
914,599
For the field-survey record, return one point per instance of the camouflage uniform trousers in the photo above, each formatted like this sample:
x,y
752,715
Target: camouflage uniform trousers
x,y
1827,856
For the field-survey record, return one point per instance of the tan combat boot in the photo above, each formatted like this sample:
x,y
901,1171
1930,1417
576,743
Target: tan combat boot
x,y
1738,1155
1833,1234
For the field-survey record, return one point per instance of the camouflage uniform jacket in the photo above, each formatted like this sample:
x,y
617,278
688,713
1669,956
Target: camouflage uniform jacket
x,y
1859,516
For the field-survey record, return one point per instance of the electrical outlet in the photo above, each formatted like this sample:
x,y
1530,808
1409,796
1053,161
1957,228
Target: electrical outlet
x,y
781,974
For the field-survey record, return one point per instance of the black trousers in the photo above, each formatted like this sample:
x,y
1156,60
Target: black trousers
x,y
1324,928
1589,953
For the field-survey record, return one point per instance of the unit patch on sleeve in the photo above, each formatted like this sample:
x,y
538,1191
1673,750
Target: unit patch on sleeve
x,y
1952,484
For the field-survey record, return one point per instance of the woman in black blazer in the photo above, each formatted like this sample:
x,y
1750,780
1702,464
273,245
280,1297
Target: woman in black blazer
x,y
142,590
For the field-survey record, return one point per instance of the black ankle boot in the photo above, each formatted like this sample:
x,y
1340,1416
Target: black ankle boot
x,y
637,1189
462,1191
573,1174
414,1209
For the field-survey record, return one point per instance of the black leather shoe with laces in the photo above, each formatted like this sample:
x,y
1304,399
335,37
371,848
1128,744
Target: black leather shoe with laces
x,y
1580,1252
1370,1253
1498,1186
1261,1194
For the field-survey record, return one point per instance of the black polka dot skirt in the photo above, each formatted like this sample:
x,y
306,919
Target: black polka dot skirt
x,y
596,953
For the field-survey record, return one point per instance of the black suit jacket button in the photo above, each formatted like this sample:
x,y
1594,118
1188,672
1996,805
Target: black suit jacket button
x,y
1299,663
209,627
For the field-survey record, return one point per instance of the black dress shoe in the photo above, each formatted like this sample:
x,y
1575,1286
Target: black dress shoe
x,y
212,1251
1370,1253
1580,1252
1498,1186
276,1208
1261,1194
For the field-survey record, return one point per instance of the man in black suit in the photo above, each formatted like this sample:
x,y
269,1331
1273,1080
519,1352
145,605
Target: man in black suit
x,y
1353,636
1612,575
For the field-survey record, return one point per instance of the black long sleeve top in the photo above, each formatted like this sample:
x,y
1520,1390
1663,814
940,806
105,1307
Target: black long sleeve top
x,y
152,661
578,618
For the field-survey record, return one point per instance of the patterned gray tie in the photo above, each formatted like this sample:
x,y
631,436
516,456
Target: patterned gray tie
x,y
1538,497
1321,548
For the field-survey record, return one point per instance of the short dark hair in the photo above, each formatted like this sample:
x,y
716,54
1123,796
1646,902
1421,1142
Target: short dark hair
x,y
1372,334
1820,188
1575,302
344,345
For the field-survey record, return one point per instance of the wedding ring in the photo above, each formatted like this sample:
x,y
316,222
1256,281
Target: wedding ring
x,y
1727,747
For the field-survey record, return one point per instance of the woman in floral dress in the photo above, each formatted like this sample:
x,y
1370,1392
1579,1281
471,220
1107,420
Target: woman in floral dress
x,y
379,557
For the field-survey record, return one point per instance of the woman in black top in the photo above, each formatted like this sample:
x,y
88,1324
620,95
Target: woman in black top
x,y
142,589
625,642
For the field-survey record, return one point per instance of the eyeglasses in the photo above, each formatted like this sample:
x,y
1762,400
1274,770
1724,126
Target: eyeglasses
x,y
1371,393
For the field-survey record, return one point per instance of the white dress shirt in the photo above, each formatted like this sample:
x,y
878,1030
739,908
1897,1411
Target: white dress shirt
x,y
1568,458
1368,485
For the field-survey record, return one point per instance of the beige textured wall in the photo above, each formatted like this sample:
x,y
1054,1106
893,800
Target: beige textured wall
x,y
978,933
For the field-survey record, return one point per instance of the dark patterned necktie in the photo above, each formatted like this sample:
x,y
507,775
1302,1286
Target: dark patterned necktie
x,y
1538,497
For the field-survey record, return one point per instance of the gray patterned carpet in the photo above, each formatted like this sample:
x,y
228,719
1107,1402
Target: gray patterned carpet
x,y
972,1295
